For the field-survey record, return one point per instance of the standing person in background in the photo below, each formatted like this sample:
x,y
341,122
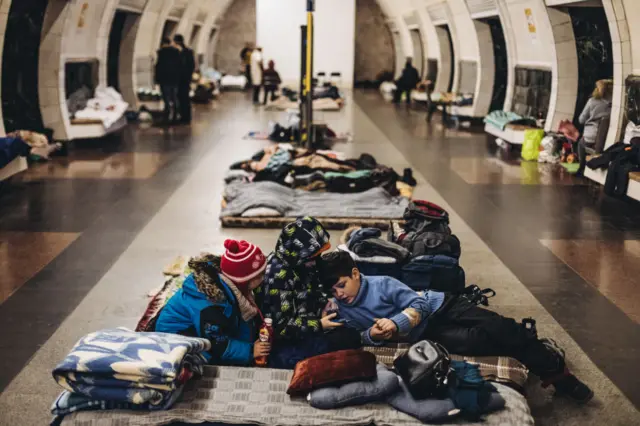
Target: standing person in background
x,y
187,66
407,82
168,77
245,56
256,74
271,82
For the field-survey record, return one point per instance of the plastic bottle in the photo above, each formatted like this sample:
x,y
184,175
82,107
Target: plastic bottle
x,y
266,335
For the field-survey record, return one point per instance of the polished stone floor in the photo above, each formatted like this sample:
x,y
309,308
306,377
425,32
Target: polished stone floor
x,y
84,238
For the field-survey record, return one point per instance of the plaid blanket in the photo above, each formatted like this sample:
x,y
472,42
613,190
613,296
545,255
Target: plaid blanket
x,y
498,369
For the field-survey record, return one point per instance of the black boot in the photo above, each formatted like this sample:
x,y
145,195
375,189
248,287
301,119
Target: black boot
x,y
408,178
571,387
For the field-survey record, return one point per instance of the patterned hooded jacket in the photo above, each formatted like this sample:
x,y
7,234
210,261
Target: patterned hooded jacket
x,y
292,294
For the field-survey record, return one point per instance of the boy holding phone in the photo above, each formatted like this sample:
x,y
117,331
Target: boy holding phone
x,y
383,308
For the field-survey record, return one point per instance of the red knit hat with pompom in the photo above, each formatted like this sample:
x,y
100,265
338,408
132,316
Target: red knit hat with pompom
x,y
242,261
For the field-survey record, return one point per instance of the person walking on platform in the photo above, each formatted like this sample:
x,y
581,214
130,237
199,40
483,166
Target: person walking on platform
x,y
168,77
407,82
187,67
256,74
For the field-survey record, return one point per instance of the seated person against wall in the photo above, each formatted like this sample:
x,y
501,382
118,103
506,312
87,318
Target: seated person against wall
x,y
383,308
216,303
294,297
407,82
597,108
271,80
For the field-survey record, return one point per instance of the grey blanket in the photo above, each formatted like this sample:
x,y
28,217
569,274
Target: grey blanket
x,y
374,203
240,395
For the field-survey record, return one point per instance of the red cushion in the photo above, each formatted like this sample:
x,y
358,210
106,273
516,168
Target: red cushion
x,y
330,369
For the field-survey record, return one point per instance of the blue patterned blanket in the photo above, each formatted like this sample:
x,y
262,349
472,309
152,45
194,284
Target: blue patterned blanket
x,y
114,366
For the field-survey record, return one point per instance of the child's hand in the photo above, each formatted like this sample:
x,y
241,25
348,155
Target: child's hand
x,y
386,325
378,334
261,349
327,324
330,306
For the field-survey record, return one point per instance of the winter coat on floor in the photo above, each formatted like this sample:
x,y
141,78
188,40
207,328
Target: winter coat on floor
x,y
211,307
292,293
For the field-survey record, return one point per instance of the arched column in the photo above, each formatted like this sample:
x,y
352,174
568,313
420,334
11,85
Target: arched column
x,y
512,55
128,60
622,30
72,31
51,83
5,5
564,88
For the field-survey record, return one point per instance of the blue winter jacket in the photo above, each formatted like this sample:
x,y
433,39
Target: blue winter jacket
x,y
191,313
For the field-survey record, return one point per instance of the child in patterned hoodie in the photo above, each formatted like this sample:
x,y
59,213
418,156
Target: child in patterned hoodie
x,y
294,297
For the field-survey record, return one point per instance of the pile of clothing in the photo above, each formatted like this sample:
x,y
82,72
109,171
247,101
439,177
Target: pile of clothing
x,y
106,105
122,369
205,87
325,98
422,253
467,395
270,199
320,170
456,99
620,159
500,119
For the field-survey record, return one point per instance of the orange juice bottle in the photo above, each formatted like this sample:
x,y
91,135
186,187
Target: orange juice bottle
x,y
266,335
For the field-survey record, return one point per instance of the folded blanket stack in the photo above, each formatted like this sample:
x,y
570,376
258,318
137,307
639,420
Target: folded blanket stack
x,y
119,368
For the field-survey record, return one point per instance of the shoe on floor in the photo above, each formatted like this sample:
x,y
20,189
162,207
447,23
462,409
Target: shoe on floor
x,y
408,178
569,386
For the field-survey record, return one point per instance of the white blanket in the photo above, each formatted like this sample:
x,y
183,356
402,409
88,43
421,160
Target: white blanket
x,y
233,81
107,106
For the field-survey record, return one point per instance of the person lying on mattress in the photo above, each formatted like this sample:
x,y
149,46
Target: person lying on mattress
x,y
293,297
383,308
216,303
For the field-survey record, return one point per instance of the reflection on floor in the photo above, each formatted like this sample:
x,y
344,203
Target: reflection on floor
x,y
488,171
24,254
613,267
123,165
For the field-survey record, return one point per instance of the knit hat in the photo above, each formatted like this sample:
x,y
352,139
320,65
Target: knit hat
x,y
242,262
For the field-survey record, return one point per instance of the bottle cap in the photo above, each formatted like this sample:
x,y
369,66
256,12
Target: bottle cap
x,y
268,321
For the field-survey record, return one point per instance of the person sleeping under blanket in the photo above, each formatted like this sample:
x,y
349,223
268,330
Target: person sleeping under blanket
x,y
383,308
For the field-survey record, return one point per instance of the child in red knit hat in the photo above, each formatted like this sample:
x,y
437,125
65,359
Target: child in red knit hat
x,y
243,264
216,303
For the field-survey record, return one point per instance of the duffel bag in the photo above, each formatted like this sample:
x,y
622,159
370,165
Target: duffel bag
x,y
431,244
438,273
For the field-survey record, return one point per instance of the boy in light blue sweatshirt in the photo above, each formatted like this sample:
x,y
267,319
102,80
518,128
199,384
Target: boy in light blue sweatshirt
x,y
383,309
